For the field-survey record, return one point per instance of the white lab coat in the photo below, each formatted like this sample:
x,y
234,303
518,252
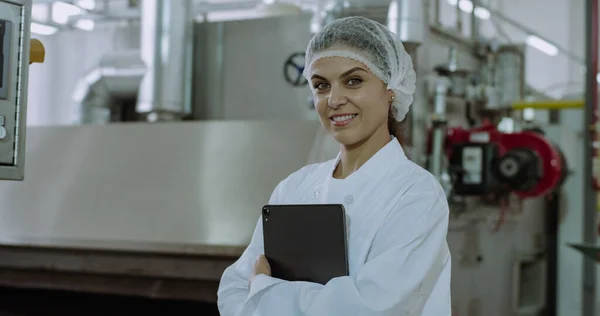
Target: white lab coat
x,y
398,256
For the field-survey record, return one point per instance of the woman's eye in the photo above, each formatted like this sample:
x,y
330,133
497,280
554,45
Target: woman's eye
x,y
320,86
354,81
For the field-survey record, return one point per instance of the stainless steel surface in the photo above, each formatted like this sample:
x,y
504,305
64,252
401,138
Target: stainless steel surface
x,y
166,50
374,10
483,259
100,94
590,203
459,19
436,11
114,10
453,59
417,118
224,84
475,24
127,36
239,69
410,20
14,107
439,114
200,183
509,74
154,273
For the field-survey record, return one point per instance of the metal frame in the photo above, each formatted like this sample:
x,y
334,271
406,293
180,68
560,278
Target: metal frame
x,y
16,172
589,193
192,276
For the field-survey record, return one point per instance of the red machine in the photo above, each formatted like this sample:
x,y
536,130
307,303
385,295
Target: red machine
x,y
484,160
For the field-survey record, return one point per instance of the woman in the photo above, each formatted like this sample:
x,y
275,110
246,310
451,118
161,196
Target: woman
x,y
362,81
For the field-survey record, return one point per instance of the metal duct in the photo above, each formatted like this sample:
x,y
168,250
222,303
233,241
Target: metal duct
x,y
166,50
406,19
374,10
100,94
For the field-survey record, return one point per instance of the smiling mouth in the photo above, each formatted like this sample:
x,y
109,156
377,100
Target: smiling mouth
x,y
341,120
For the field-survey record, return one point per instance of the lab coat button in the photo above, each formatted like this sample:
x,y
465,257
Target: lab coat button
x,y
349,199
316,194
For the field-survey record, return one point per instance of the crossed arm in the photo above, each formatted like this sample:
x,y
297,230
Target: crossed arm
x,y
407,258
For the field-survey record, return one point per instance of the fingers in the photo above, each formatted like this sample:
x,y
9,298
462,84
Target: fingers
x,y
264,260
262,265
267,265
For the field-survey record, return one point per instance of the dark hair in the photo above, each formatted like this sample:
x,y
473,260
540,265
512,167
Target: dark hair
x,y
395,128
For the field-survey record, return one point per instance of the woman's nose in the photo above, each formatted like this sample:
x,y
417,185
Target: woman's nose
x,y
337,98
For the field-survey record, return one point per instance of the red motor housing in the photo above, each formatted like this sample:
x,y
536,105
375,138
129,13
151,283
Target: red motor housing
x,y
525,162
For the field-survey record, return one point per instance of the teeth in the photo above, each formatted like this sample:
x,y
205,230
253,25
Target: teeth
x,y
343,118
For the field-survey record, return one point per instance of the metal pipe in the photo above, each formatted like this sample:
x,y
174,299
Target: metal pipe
x,y
436,13
548,105
411,25
439,122
135,14
416,121
466,45
166,48
591,119
552,221
459,19
410,21
117,76
474,21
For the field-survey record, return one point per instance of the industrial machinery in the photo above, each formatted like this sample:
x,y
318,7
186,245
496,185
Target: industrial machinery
x,y
211,80
480,159
167,228
15,19
484,160
501,175
114,204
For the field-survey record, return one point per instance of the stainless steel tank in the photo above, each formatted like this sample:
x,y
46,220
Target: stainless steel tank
x,y
509,74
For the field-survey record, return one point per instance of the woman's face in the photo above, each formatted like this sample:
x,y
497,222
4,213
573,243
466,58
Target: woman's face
x,y
353,104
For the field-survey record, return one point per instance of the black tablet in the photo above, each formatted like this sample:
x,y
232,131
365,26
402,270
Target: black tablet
x,y
306,242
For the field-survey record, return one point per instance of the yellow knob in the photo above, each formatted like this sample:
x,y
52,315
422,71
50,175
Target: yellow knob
x,y
37,53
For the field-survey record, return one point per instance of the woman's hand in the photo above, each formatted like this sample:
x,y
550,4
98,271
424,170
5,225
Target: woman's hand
x,y
261,267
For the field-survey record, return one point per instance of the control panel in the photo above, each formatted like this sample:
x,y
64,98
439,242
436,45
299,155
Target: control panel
x,y
15,21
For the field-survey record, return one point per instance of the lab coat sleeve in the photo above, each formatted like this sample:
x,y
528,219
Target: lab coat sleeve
x,y
234,288
406,260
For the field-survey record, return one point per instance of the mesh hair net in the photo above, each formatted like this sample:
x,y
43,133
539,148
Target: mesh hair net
x,y
372,44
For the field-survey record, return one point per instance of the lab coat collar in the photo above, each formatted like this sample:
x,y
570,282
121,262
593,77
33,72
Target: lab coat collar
x,y
385,159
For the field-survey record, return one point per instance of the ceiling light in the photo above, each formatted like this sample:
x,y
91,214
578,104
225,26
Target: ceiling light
x,y
61,11
42,29
541,45
39,12
85,24
467,7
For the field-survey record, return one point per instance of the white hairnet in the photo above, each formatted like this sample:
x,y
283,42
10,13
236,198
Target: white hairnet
x,y
372,44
